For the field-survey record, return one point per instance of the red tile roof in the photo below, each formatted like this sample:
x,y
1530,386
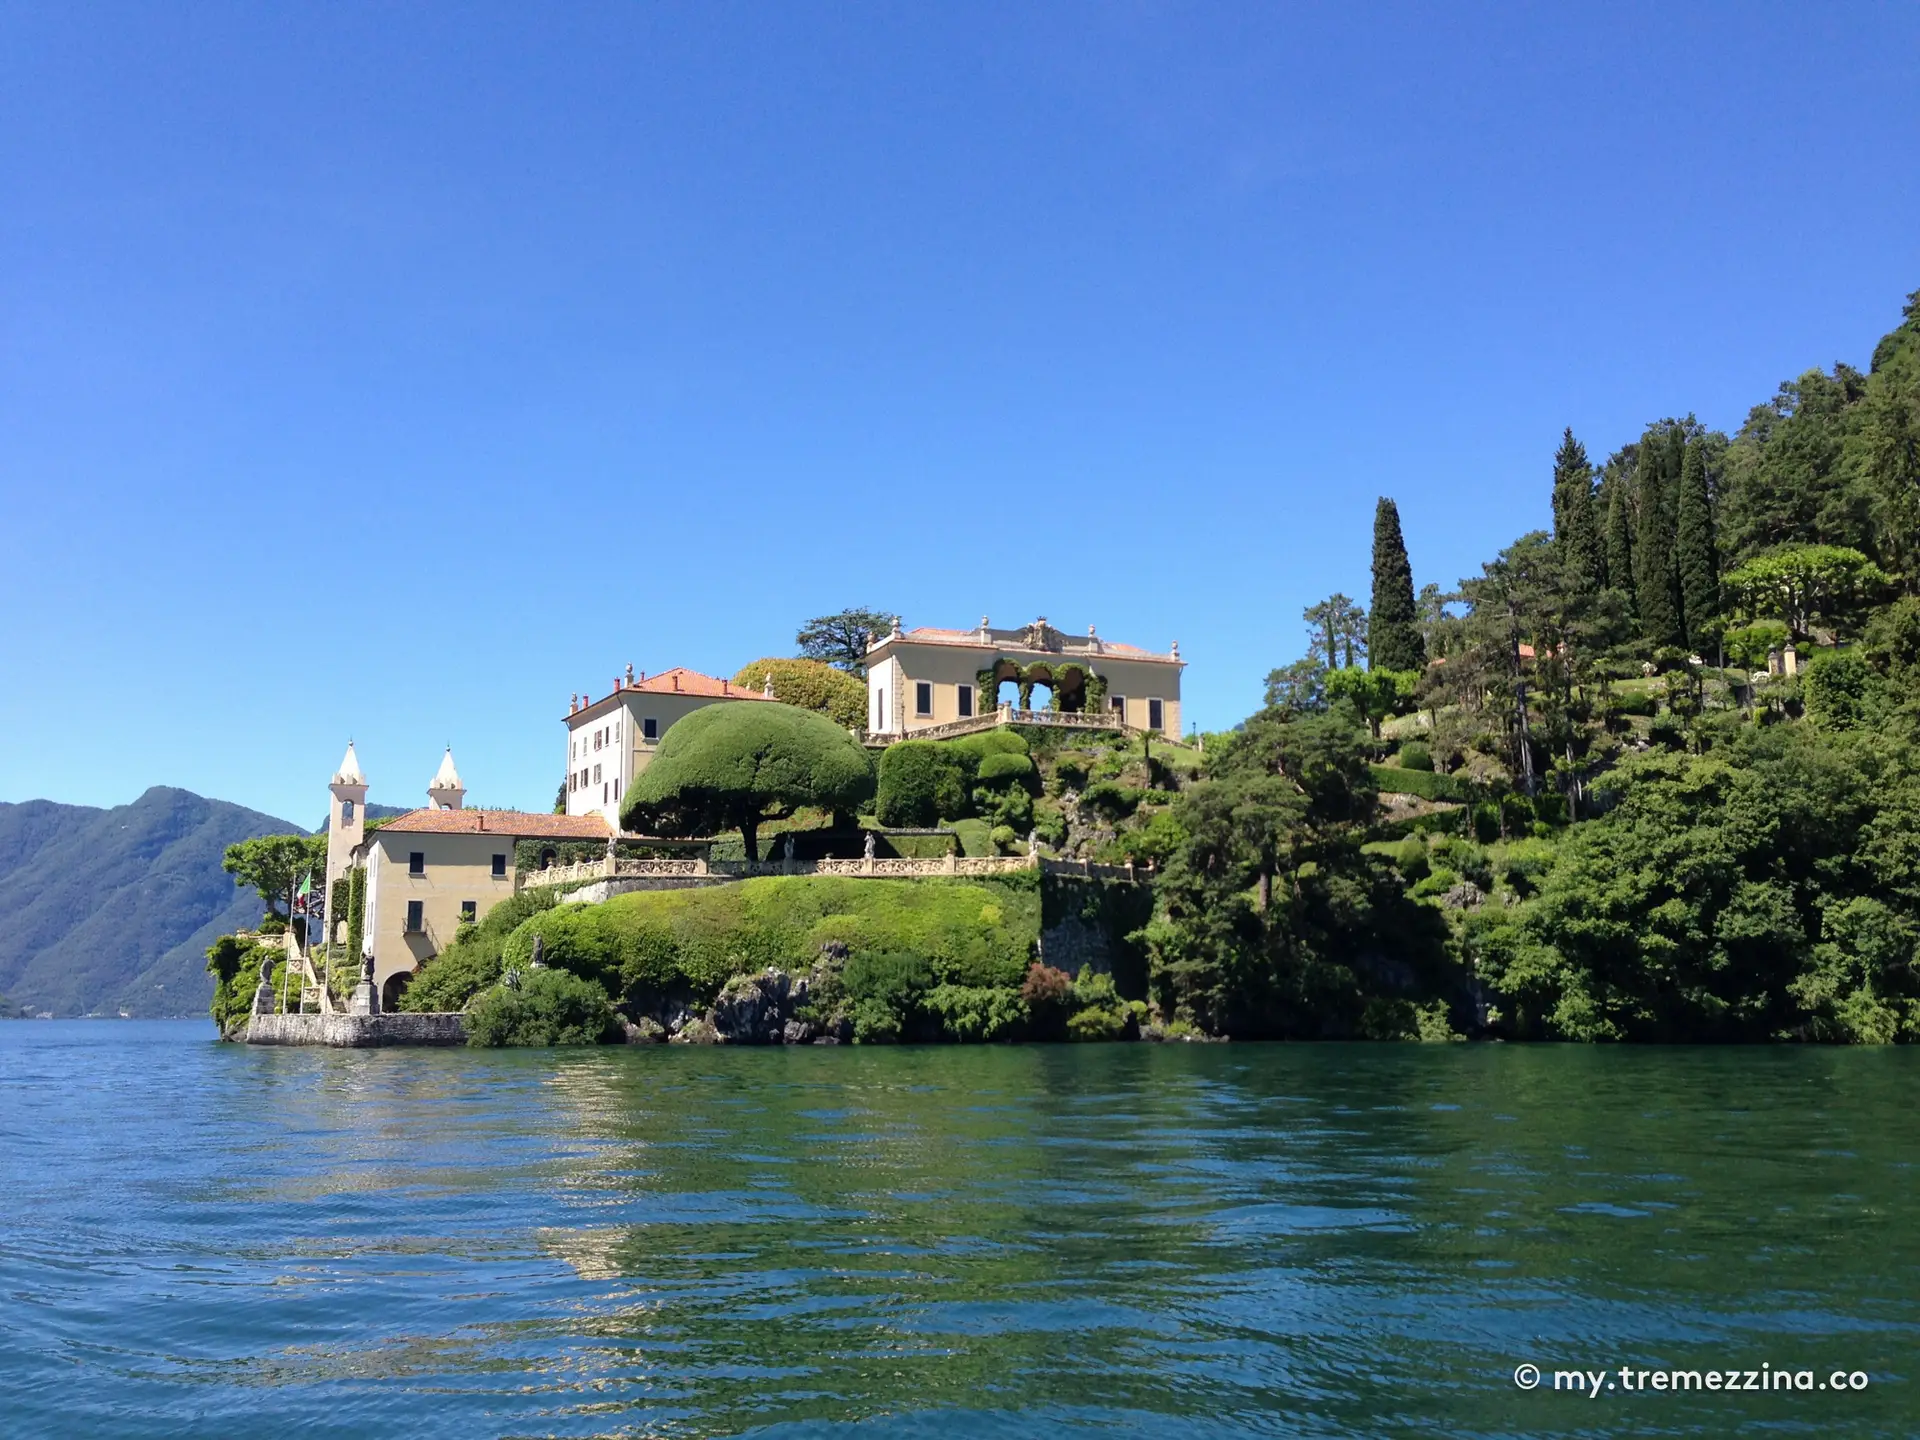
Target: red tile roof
x,y
516,824
677,681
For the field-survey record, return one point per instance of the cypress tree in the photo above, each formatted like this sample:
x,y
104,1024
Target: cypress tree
x,y
1576,523
1620,538
1393,627
1655,587
1697,558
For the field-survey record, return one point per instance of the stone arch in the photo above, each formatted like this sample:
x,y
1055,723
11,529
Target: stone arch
x,y
395,987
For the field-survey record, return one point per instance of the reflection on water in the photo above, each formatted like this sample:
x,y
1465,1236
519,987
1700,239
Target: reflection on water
x,y
1191,1240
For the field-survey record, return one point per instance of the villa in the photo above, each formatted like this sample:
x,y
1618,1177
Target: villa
x,y
922,678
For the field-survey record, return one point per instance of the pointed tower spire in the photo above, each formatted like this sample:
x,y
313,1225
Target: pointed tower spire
x,y
446,792
346,828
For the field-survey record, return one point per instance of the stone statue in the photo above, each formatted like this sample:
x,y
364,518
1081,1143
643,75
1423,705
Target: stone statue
x,y
867,850
366,968
539,961
1033,844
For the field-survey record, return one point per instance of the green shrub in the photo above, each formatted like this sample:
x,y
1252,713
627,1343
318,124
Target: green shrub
x,y
1841,690
1003,768
235,966
657,944
1526,864
1109,800
1005,839
921,783
971,1013
1429,785
1439,880
542,1007
1071,771
1410,855
1415,755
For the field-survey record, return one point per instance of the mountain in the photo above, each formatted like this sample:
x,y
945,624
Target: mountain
x,y
110,910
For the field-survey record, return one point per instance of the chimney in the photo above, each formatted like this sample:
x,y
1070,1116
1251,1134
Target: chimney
x,y
676,680
726,687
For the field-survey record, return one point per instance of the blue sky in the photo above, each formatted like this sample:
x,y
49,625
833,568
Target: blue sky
x,y
396,371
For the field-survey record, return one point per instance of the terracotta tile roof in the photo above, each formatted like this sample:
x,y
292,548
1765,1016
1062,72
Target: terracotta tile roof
x,y
517,824
677,681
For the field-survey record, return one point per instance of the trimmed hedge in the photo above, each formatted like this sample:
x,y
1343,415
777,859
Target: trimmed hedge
x,y
1428,784
923,782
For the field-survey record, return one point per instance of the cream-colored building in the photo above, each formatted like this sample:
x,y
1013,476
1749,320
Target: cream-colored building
x,y
924,677
612,739
431,869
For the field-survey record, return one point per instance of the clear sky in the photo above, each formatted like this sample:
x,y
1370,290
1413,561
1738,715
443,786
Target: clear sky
x,y
395,371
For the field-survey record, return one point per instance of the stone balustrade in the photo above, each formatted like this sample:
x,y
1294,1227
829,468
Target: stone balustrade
x,y
1005,715
949,864
891,867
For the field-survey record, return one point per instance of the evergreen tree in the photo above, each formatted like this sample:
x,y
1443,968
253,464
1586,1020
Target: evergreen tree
x,y
1695,554
1393,626
1620,538
1655,576
1336,632
1576,523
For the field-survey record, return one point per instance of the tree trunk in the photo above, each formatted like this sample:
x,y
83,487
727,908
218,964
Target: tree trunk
x,y
1265,893
750,835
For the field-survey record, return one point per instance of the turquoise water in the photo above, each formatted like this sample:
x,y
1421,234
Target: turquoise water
x,y
198,1239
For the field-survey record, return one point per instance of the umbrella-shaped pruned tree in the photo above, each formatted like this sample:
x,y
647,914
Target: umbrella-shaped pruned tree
x,y
732,766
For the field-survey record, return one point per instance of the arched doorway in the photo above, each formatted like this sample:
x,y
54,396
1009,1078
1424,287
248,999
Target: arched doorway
x,y
391,992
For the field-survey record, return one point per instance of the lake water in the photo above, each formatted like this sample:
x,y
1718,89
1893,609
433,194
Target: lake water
x,y
1201,1241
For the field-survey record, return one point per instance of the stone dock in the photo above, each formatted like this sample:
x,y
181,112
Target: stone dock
x,y
359,1032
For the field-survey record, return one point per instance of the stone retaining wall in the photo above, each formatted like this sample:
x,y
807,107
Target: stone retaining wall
x,y
356,1032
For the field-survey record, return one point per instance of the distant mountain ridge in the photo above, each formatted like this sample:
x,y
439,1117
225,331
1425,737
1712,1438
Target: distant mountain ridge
x,y
110,910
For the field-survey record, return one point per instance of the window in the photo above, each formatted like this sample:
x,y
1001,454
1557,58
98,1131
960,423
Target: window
x,y
417,862
499,867
616,730
1118,703
880,709
650,729
346,812
966,701
603,794
596,738
616,787
922,698
596,774
469,911
416,916
1156,715
573,781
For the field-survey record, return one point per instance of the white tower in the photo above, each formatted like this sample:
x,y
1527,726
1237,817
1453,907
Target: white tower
x,y
346,826
446,792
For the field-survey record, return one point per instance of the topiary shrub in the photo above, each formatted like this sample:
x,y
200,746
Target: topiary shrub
x,y
542,1007
920,784
1004,839
728,766
1416,756
1004,768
